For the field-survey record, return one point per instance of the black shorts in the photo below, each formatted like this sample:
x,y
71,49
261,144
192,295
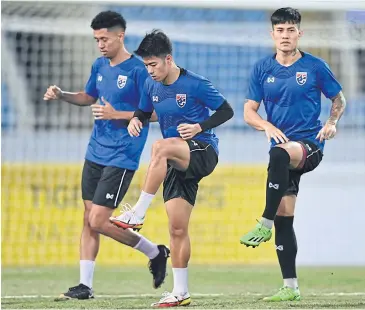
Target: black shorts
x,y
105,185
184,184
311,159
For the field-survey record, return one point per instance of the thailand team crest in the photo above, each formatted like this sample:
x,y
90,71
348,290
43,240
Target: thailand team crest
x,y
122,80
181,100
301,78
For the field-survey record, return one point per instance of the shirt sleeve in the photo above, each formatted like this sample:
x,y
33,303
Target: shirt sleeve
x,y
327,82
145,103
255,92
142,75
209,95
90,87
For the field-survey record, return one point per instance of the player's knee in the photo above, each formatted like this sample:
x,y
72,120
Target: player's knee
x,y
158,149
177,231
287,206
284,212
95,222
279,157
285,209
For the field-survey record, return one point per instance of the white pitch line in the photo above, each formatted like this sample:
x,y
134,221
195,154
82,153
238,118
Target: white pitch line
x,y
106,296
195,294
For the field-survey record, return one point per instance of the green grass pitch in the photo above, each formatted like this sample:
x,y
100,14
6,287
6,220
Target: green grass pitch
x,y
211,287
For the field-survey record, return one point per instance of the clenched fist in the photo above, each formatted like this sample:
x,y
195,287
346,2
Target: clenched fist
x,y
53,93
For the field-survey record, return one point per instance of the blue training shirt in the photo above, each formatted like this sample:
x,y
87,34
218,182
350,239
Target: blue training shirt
x,y
121,85
186,101
292,95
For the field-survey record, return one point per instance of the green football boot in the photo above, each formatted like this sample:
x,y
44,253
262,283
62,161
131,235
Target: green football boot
x,y
284,294
256,236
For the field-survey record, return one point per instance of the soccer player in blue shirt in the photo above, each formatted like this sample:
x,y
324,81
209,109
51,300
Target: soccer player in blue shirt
x,y
289,84
112,156
187,153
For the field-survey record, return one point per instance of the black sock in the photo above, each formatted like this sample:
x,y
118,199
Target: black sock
x,y
277,181
286,245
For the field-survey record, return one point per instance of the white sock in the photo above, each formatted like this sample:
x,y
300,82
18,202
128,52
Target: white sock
x,y
267,223
147,247
87,272
180,281
142,204
291,282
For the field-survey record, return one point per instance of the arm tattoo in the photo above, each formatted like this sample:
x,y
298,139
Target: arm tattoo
x,y
338,106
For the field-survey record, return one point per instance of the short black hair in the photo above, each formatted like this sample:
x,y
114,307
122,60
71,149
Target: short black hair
x,y
286,15
155,44
108,19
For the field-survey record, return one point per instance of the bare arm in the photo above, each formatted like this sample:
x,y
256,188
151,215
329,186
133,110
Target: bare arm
x,y
107,111
79,99
329,129
130,115
119,115
251,116
337,109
